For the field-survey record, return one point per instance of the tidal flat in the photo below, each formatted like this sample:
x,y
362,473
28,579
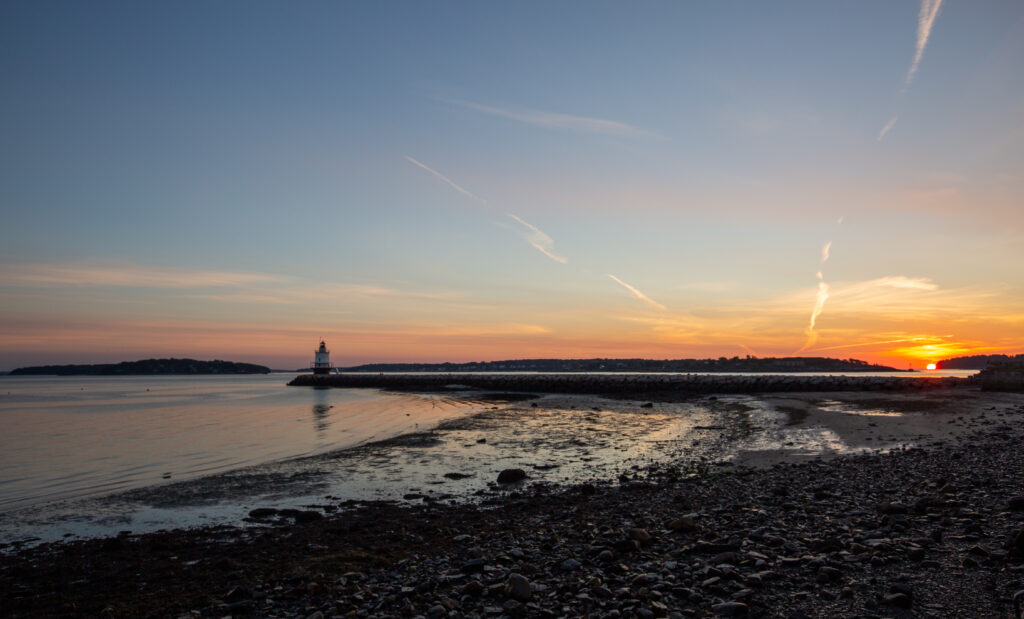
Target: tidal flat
x,y
555,439
862,503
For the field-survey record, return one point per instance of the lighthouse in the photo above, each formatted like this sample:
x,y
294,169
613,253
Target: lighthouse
x,y
322,361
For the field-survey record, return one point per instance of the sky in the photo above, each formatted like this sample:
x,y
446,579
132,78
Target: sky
x,y
465,181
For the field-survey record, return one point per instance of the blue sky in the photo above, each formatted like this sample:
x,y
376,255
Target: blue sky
x,y
700,153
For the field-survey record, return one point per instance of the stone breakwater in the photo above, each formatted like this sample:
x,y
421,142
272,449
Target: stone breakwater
x,y
630,384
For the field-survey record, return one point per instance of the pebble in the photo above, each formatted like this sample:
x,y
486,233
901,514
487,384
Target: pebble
x,y
473,566
683,523
730,609
899,600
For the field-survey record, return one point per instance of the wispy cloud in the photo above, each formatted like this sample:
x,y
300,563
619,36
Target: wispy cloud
x,y
454,185
915,339
709,286
342,299
554,120
819,302
533,235
888,127
900,281
925,20
898,298
924,347
536,237
926,16
129,275
646,299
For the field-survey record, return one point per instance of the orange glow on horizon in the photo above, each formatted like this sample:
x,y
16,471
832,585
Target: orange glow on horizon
x,y
433,342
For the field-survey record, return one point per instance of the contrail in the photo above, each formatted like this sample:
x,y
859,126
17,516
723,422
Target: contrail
x,y
646,299
446,179
819,304
925,20
888,126
538,239
554,120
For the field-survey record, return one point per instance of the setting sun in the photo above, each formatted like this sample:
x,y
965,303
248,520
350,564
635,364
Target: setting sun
x,y
931,366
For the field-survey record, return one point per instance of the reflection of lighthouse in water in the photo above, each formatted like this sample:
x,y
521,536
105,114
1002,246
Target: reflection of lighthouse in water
x,y
322,361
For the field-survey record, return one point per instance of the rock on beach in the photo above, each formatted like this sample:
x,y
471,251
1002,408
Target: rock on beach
x,y
919,531
511,476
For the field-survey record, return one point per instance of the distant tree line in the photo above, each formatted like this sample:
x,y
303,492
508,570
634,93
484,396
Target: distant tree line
x,y
977,362
145,367
722,364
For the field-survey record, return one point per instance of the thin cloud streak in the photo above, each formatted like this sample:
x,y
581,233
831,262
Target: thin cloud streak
x,y
454,185
880,342
819,307
820,299
646,299
535,237
554,120
925,20
900,281
538,239
129,276
888,127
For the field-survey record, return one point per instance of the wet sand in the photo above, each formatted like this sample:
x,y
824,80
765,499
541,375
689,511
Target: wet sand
x,y
830,424
557,439
918,515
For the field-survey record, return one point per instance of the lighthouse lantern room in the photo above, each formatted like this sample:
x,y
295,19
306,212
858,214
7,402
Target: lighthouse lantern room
x,y
322,361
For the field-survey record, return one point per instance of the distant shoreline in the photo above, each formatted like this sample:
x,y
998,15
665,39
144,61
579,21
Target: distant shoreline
x,y
146,367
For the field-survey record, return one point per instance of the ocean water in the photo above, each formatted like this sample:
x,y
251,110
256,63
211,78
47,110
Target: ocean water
x,y
88,456
79,436
67,437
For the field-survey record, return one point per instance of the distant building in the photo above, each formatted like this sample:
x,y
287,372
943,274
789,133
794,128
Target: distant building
x,y
322,360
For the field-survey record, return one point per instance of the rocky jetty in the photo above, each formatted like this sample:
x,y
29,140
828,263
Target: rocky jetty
x,y
750,363
1003,376
650,385
922,532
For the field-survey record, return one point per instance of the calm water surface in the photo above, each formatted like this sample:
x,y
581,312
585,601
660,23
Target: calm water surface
x,y
67,437
63,437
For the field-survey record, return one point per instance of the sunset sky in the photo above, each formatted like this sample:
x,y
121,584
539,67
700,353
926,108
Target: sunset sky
x,y
459,181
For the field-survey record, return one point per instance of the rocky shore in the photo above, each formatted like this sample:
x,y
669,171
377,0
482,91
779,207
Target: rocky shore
x,y
932,531
651,385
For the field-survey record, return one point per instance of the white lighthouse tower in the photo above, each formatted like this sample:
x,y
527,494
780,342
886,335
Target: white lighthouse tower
x,y
322,361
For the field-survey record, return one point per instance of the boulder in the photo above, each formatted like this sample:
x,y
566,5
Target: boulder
x,y
518,588
511,476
